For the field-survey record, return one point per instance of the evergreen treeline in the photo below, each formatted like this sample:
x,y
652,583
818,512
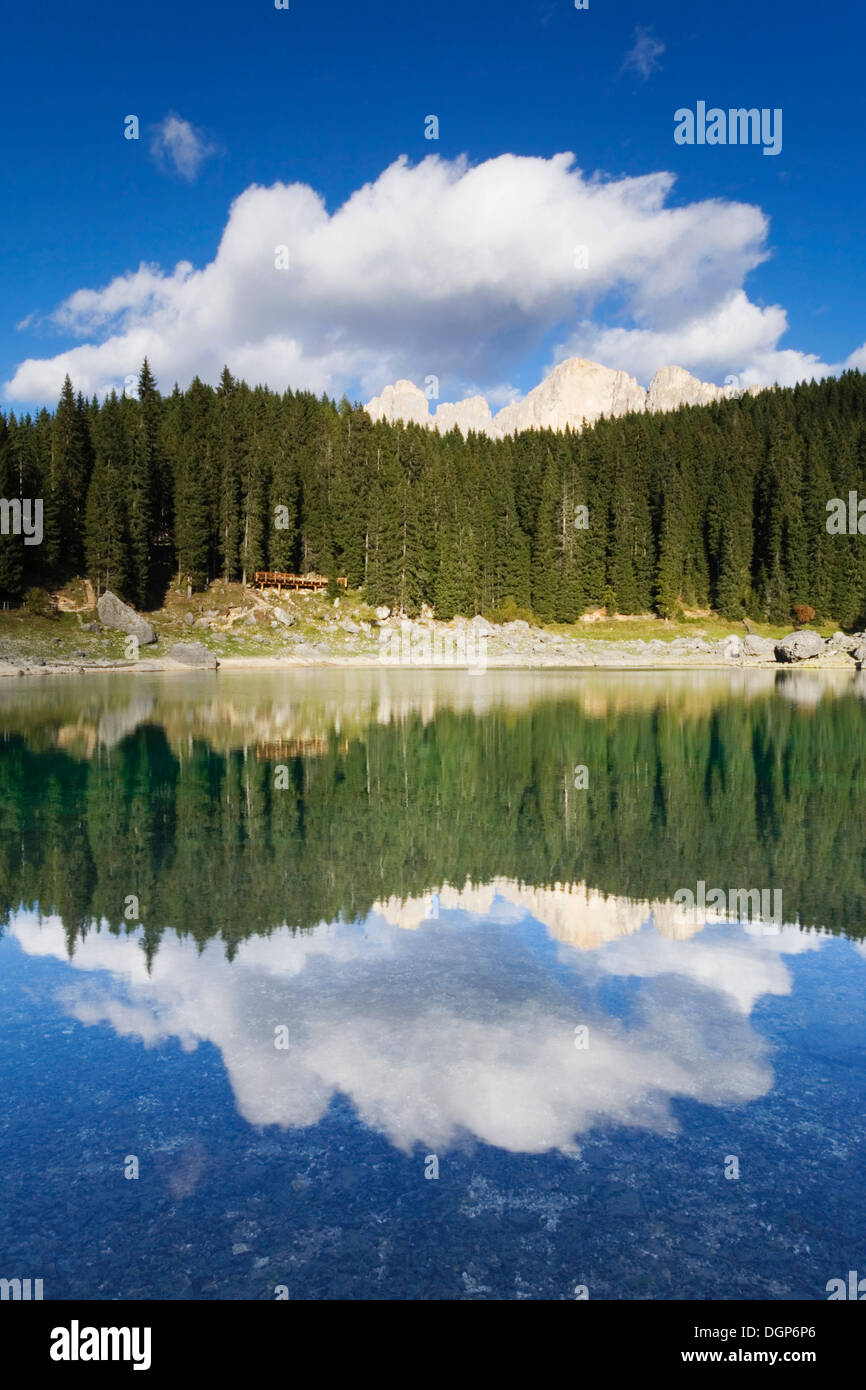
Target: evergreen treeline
x,y
752,795
720,506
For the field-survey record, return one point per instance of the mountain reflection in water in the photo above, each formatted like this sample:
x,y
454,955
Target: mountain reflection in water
x,y
231,805
456,1024
287,938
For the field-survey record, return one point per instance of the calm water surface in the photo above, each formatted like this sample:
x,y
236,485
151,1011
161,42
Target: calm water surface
x,y
298,943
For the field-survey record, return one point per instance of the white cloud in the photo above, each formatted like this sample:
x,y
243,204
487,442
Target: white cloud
x,y
644,54
857,358
373,1016
177,145
440,268
731,336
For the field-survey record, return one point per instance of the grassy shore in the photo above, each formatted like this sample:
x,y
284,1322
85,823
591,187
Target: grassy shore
x,y
240,626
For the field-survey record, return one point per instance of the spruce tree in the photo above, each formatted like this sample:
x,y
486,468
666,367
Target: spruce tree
x,y
11,544
229,427
196,508
544,568
71,463
106,530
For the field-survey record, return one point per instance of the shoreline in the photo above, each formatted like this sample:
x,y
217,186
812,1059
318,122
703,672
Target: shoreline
x,y
230,628
616,660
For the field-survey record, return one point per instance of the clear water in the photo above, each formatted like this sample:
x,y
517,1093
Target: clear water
x,y
405,1008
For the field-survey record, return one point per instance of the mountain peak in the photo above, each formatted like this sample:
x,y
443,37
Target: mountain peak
x,y
576,392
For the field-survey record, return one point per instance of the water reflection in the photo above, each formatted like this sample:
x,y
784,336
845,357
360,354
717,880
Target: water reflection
x,y
403,871
230,806
463,1024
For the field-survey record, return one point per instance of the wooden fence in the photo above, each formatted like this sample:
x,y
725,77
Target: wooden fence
x,y
277,579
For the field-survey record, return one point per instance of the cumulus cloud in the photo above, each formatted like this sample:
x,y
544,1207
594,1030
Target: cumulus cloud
x,y
858,358
643,57
178,146
445,268
731,331
452,1027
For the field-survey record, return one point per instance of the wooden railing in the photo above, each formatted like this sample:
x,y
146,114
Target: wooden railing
x,y
278,579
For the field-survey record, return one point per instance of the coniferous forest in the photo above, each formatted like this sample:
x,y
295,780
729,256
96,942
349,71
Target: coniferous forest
x,y
721,506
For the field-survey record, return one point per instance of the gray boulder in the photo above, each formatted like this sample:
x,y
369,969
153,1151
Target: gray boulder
x,y
689,644
858,651
800,646
116,614
763,648
846,642
193,654
189,619
729,647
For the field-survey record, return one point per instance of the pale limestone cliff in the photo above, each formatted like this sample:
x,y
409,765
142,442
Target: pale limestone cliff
x,y
573,913
577,391
472,414
674,386
402,401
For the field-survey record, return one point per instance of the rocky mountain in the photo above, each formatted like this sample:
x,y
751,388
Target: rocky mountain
x,y
674,386
402,401
576,392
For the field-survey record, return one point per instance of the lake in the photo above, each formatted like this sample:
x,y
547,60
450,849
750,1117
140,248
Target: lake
x,y
386,984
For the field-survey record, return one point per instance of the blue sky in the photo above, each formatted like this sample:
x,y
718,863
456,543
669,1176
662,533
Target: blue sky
x,y
762,274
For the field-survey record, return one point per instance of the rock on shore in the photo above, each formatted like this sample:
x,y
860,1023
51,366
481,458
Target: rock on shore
x,y
192,654
761,647
114,613
800,646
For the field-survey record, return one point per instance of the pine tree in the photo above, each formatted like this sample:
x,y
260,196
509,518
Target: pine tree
x,y
255,487
319,435
71,464
544,568
353,461
106,531
284,493
195,508
383,531
11,544
147,516
229,430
